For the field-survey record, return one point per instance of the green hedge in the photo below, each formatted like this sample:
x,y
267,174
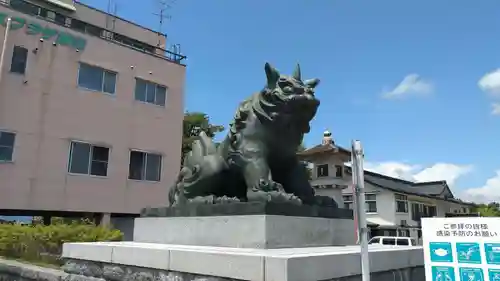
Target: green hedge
x,y
42,243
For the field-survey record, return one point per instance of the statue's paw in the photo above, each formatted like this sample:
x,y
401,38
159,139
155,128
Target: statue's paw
x,y
200,200
258,196
267,186
273,196
226,200
283,197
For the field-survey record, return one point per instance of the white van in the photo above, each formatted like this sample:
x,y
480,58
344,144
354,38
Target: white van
x,y
392,240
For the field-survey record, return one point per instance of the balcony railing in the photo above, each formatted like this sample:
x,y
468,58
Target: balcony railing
x,y
92,30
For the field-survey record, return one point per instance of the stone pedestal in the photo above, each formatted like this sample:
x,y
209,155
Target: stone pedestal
x,y
133,261
258,242
252,225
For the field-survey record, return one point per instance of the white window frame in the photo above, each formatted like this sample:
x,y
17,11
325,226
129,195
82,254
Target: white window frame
x,y
318,169
401,198
421,207
341,171
104,71
350,202
156,85
13,146
371,201
344,196
89,163
143,176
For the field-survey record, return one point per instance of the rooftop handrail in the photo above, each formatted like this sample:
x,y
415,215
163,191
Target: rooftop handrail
x,y
107,35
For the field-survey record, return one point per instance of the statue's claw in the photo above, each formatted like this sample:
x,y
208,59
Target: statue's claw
x,y
267,186
271,191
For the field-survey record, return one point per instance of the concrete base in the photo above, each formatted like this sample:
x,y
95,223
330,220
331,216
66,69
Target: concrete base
x,y
250,231
118,260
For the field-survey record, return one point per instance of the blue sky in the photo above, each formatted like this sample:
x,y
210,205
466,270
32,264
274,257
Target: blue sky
x,y
438,124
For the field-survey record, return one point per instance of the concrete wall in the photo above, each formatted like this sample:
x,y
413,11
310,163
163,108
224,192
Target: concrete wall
x,y
47,110
15,271
125,225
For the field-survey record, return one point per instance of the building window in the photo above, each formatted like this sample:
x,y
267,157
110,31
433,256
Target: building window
x,y
24,7
144,166
7,141
401,203
88,159
150,92
371,203
94,30
420,210
339,171
19,60
322,170
59,19
96,79
133,43
432,211
348,202
78,25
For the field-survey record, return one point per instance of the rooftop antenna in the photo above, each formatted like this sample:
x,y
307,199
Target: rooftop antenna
x,y
163,7
111,17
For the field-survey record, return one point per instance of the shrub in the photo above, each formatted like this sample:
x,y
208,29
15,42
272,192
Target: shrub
x,y
44,243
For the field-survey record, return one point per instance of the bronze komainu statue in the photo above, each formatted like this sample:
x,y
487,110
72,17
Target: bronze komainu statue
x,y
257,160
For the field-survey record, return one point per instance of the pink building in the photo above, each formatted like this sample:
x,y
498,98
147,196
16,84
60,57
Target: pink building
x,y
91,112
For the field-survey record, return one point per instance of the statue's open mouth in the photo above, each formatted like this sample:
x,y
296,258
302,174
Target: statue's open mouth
x,y
304,105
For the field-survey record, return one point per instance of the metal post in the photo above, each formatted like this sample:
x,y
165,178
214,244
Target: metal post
x,y
4,46
359,191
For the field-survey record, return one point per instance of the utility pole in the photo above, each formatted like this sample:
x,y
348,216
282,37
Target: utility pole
x,y
358,180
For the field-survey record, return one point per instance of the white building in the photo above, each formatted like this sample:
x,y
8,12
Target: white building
x,y
393,206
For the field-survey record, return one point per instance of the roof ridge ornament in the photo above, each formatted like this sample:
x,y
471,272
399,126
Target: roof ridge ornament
x,y
327,138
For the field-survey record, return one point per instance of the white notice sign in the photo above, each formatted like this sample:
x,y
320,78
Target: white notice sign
x,y
461,248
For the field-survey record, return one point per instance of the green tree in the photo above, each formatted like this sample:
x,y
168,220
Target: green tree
x,y
194,123
488,210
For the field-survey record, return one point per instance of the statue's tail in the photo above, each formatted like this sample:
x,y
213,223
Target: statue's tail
x,y
193,163
201,147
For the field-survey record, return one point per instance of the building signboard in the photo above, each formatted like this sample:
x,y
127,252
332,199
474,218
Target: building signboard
x,y
461,248
35,29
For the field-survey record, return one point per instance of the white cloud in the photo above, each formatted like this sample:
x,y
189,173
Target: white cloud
x,y
489,192
496,108
436,172
412,84
393,169
490,82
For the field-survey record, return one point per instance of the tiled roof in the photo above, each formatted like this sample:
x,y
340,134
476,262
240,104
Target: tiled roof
x,y
433,189
322,148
